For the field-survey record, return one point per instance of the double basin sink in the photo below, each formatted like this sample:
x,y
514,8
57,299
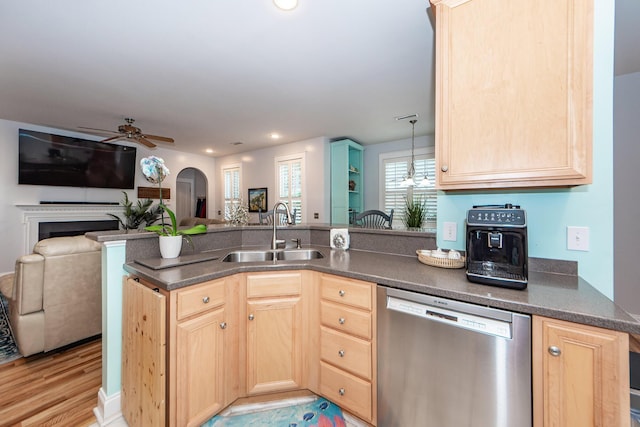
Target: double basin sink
x,y
273,255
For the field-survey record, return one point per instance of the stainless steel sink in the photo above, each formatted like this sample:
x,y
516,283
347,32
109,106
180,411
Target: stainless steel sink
x,y
299,255
248,256
268,255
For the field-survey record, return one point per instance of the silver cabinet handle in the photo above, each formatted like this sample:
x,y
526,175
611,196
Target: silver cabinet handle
x,y
223,325
205,300
341,392
341,292
555,351
251,317
341,353
341,320
444,168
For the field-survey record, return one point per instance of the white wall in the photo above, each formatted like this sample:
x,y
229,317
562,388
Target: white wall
x,y
626,177
12,194
258,170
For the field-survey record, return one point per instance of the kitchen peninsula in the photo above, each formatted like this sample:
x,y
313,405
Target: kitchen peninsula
x,y
557,293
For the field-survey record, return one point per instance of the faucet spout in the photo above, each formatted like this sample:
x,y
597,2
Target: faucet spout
x,y
274,239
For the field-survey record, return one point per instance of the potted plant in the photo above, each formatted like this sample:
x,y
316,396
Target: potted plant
x,y
137,215
415,212
170,239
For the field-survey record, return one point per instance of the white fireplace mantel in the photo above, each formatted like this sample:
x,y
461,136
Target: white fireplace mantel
x,y
32,215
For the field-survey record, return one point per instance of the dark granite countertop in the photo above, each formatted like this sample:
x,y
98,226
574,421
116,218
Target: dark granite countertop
x,y
559,296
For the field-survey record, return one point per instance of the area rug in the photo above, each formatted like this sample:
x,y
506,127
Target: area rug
x,y
8,349
314,412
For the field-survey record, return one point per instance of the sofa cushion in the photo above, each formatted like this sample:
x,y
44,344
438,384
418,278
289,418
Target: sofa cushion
x,y
66,245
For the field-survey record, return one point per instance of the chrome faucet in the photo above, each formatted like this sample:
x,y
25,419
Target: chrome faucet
x,y
274,239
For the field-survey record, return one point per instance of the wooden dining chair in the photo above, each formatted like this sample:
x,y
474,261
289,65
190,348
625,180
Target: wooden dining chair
x,y
374,219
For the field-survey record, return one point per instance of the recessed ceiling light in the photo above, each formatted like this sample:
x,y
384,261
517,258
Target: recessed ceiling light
x,y
275,136
209,150
286,4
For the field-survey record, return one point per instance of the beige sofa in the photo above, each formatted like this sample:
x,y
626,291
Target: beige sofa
x,y
55,294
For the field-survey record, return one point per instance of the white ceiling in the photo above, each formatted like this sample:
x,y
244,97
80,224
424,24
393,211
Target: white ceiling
x,y
212,72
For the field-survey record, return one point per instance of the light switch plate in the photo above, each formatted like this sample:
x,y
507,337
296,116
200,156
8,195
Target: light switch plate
x,y
578,238
450,231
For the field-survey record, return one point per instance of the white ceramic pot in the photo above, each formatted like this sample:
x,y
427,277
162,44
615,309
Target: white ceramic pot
x,y
170,246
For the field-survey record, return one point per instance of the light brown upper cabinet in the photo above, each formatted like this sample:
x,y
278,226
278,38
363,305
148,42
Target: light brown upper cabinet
x,y
513,93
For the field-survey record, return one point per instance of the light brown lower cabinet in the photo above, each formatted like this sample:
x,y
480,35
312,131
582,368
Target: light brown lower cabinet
x,y
189,353
188,336
580,375
347,345
274,350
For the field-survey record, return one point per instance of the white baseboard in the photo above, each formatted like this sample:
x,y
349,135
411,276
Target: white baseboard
x,y
109,412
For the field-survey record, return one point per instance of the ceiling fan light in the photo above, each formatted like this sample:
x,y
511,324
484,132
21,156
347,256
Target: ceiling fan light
x,y
286,4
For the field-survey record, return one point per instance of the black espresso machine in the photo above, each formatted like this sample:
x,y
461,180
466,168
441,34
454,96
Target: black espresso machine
x,y
497,246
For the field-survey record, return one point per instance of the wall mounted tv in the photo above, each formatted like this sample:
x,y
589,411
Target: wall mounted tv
x,y
46,159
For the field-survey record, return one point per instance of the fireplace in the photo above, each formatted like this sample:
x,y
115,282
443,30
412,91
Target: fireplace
x,y
83,217
73,228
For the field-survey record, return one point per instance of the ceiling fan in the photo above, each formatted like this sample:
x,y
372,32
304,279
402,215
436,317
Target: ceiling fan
x,y
128,131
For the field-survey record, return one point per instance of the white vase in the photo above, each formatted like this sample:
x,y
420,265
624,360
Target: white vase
x,y
170,246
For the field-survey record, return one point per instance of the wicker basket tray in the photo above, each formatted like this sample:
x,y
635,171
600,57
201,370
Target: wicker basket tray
x,y
441,262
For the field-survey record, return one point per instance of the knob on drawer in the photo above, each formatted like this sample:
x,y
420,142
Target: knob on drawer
x,y
341,392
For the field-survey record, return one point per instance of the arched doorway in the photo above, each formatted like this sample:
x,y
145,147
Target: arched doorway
x,y
191,194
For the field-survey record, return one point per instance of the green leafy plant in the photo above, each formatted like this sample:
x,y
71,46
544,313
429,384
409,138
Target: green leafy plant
x,y
137,215
173,230
415,212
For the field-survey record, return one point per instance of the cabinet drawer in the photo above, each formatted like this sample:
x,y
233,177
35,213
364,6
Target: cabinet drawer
x,y
347,291
200,298
345,390
346,319
273,284
346,352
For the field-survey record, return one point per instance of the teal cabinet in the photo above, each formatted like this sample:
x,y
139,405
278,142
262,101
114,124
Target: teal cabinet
x,y
347,195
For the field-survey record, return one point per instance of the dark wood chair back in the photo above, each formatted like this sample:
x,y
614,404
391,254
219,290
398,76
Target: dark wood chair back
x,y
374,219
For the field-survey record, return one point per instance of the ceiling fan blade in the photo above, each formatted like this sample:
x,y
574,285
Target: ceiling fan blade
x,y
98,130
142,140
158,138
113,138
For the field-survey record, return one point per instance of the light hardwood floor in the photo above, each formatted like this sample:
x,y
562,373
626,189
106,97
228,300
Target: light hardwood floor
x,y
59,388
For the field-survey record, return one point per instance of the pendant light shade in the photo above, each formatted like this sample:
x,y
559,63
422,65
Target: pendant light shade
x,y
410,179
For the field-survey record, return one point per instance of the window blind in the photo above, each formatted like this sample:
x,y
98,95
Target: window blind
x,y
395,169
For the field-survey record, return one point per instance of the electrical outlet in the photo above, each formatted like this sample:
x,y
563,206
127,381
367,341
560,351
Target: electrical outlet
x,y
450,231
316,215
578,238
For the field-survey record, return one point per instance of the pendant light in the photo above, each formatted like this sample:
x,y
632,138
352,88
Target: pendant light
x,y
410,179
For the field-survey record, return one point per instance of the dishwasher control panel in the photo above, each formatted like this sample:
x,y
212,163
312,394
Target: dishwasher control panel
x,y
472,322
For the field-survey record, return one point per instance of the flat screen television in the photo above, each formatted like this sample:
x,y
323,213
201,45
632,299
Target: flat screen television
x,y
46,159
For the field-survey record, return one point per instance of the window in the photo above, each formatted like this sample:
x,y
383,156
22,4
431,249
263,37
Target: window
x,y
394,167
289,182
231,179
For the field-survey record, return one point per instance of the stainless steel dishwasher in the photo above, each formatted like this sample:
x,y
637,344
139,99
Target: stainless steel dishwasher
x,y
446,363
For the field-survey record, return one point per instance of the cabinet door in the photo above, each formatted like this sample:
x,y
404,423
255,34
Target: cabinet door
x,y
200,367
580,375
274,345
513,93
143,355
